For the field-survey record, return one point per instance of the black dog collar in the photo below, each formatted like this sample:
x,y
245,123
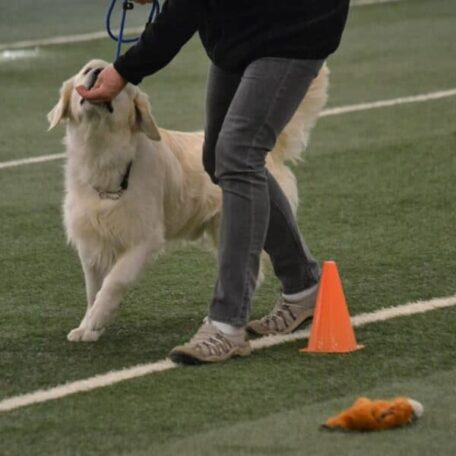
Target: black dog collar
x,y
115,195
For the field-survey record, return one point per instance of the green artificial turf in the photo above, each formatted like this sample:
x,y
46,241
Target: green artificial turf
x,y
143,415
377,217
296,431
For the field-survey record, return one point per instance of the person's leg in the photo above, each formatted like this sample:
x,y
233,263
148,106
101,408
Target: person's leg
x,y
293,265
270,91
221,88
292,261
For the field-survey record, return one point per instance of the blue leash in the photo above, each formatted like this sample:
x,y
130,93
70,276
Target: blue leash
x,y
127,6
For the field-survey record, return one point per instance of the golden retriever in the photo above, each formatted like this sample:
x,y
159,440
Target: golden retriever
x,y
132,187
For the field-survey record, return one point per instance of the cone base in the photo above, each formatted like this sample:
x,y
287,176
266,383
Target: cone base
x,y
332,329
308,350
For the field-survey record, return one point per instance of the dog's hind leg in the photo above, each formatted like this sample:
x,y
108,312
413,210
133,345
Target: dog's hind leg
x,y
123,274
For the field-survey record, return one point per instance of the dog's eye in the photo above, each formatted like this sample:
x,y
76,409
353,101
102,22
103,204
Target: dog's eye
x,y
87,70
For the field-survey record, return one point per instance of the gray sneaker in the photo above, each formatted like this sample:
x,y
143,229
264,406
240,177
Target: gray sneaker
x,y
286,316
209,345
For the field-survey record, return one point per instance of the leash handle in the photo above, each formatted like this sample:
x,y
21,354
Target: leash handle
x,y
127,5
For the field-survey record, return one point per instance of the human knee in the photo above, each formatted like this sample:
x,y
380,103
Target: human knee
x,y
222,158
237,158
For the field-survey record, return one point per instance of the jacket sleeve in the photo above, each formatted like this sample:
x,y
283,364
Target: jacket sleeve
x,y
161,40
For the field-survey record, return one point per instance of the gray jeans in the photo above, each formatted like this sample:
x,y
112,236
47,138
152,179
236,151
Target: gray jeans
x,y
245,114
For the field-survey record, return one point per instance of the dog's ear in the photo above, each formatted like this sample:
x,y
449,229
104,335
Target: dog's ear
x,y
144,118
60,110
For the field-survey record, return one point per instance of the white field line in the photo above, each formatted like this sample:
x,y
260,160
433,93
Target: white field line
x,y
66,39
111,378
387,103
84,37
354,3
29,161
325,113
19,54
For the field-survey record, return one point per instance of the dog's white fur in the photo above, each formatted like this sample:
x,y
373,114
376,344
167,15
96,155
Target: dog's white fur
x,y
169,196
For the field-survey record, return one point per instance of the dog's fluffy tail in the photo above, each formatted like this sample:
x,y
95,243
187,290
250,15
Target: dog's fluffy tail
x,y
294,138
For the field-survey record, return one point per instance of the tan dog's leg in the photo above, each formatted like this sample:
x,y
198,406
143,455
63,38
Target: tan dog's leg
x,y
92,276
93,281
124,273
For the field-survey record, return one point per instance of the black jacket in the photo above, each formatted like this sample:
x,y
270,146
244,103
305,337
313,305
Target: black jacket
x,y
236,32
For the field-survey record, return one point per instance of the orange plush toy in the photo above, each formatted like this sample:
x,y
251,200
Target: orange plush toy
x,y
367,415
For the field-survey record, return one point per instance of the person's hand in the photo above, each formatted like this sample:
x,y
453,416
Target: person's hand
x,y
108,85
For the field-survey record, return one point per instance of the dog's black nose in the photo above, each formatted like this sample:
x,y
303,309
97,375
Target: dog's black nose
x,y
94,77
91,83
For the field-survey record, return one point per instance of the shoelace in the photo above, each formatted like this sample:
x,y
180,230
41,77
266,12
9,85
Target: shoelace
x,y
277,316
214,344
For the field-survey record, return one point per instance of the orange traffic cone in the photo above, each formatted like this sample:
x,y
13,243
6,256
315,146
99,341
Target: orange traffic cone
x,y
332,331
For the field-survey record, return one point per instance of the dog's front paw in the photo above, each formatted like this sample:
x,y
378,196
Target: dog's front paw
x,y
83,334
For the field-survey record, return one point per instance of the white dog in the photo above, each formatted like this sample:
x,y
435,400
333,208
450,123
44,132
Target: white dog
x,y
132,187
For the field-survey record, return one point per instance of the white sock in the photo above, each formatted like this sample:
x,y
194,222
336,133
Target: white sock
x,y
296,297
227,329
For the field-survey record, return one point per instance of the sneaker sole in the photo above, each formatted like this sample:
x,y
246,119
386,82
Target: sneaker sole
x,y
188,359
184,358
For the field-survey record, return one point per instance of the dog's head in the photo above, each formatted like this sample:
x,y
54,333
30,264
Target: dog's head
x,y
129,109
